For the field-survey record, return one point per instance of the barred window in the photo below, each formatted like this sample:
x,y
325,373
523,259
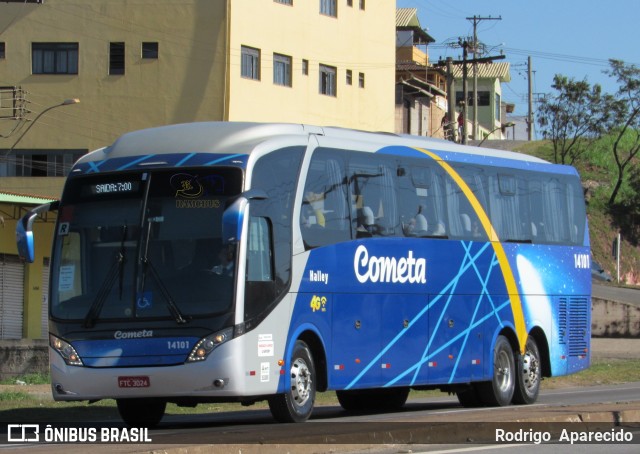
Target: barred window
x,y
282,70
328,80
250,64
329,8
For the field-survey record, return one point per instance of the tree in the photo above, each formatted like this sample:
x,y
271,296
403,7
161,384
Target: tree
x,y
625,120
573,118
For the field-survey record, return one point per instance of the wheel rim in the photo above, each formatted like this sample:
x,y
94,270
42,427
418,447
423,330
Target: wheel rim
x,y
503,372
301,382
530,371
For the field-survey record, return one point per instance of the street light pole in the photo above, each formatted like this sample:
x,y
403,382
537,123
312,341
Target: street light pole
x,y
66,102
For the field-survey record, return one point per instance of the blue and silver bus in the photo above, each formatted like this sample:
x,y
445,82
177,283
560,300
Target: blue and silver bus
x,y
240,262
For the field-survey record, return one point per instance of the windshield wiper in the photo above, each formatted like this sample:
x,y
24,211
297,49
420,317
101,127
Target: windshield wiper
x,y
117,269
146,264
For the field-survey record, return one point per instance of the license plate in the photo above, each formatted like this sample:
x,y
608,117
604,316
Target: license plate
x,y
133,382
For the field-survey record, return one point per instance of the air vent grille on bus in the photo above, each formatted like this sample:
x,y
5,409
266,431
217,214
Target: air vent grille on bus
x,y
562,321
578,326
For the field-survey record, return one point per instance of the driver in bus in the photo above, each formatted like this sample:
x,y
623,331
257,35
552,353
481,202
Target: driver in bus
x,y
225,266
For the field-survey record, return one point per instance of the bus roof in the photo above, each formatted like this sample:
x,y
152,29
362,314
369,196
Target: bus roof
x,y
240,138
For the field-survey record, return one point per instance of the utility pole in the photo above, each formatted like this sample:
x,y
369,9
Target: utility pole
x,y
530,116
464,45
476,20
451,99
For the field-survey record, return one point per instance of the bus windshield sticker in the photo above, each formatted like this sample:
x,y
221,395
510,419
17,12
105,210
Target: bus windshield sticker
x,y
66,278
63,229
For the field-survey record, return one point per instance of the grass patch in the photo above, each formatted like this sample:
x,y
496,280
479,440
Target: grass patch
x,y
14,396
601,372
29,379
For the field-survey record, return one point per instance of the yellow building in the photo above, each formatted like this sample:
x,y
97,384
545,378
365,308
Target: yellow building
x,y
135,64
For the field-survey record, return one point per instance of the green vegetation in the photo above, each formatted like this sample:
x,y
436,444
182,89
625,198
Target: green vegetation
x,y
598,172
38,378
599,133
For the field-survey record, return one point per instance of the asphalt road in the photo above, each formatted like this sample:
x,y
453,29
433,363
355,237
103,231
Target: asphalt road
x,y
422,421
621,294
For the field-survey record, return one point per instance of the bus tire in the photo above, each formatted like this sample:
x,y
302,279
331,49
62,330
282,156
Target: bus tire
x,y
469,397
528,375
144,412
296,404
385,399
499,391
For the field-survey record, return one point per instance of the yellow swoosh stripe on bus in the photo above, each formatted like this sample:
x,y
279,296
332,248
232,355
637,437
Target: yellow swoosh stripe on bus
x,y
507,272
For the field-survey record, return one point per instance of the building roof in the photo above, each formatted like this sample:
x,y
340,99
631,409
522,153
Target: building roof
x,y
24,199
486,71
407,19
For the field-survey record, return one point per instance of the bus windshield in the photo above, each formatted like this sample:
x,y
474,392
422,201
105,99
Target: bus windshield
x,y
144,245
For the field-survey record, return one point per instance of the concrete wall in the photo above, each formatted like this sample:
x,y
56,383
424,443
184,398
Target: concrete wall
x,y
614,319
20,357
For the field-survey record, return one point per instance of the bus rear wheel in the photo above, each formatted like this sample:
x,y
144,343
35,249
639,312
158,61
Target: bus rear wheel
x,y
296,404
529,374
141,412
499,391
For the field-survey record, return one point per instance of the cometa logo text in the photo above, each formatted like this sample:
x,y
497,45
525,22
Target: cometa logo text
x,y
389,269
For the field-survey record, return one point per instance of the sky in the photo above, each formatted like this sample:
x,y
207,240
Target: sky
x,y
575,38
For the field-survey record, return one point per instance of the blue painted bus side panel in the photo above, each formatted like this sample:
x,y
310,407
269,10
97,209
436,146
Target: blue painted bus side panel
x,y
440,331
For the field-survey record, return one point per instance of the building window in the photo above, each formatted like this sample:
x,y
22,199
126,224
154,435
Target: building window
x,y
362,5
54,58
328,80
305,67
2,51
116,59
361,80
282,70
349,77
250,64
484,98
284,2
349,2
498,108
150,50
329,8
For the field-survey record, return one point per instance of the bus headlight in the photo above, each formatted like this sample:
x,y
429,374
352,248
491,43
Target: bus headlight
x,y
66,350
207,344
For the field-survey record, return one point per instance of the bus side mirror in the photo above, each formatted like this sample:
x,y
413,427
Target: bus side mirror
x,y
233,216
24,231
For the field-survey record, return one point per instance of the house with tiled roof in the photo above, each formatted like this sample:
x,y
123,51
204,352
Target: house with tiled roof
x,y
491,109
421,97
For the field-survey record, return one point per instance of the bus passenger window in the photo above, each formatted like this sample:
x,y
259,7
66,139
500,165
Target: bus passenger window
x,y
324,215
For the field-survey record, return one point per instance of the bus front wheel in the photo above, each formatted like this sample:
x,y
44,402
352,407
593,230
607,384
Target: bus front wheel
x,y
529,374
141,412
296,404
499,391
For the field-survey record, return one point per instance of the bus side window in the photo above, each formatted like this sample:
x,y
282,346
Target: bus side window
x,y
464,221
373,198
260,289
509,207
324,215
